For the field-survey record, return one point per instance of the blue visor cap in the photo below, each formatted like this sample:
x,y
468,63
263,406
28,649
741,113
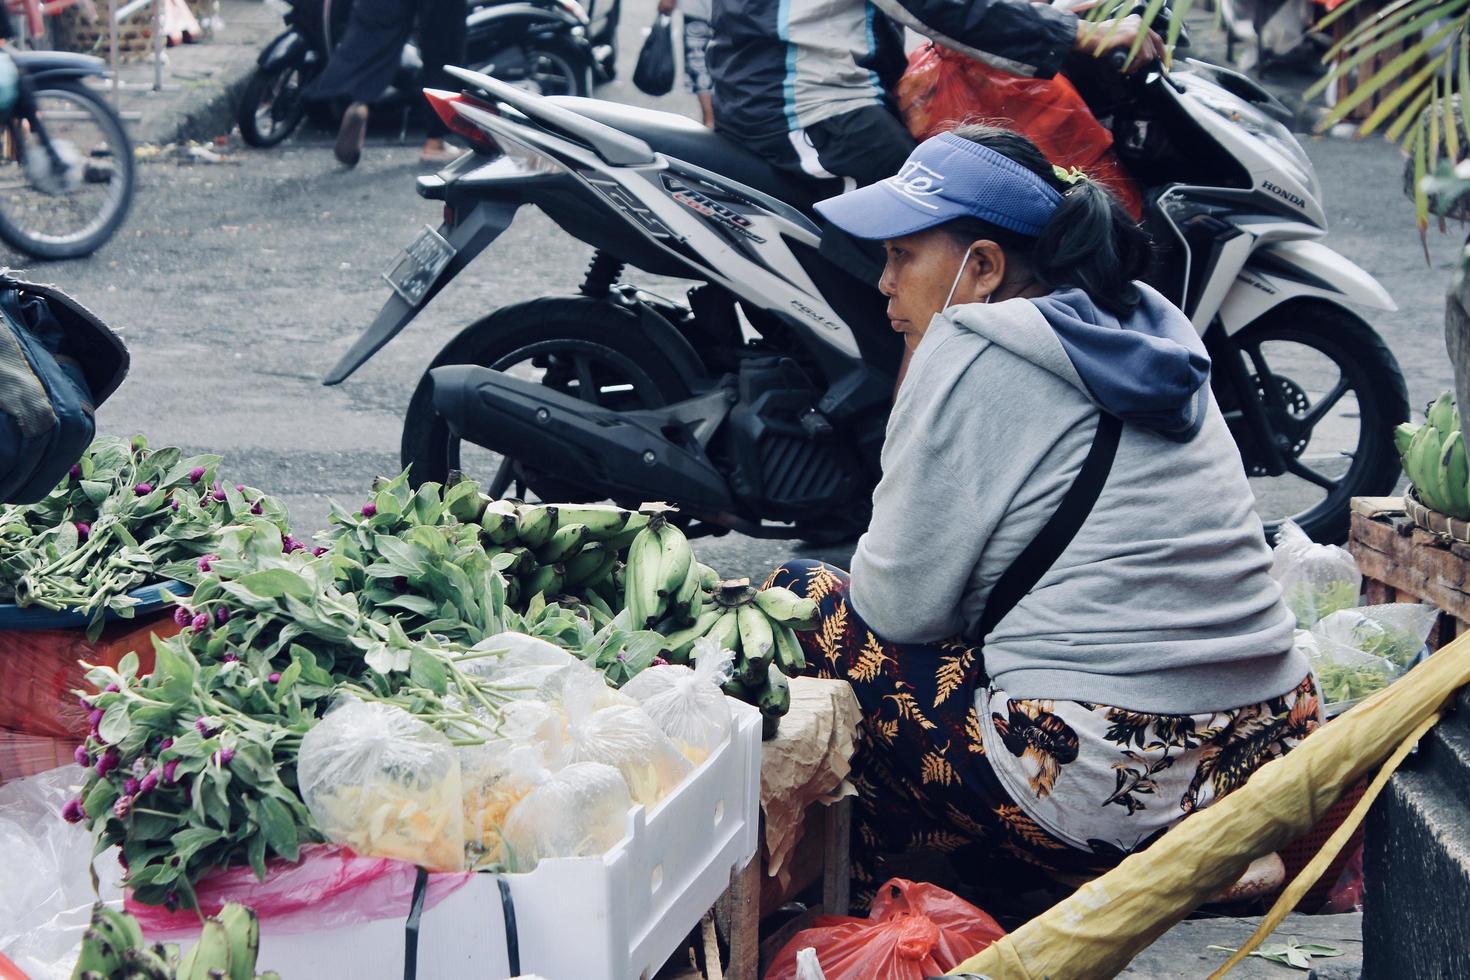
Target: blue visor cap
x,y
946,177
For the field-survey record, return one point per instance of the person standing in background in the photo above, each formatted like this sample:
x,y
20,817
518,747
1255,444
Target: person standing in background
x,y
696,15
364,62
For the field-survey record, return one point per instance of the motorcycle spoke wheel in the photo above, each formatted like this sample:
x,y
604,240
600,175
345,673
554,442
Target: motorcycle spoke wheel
x,y
66,201
279,109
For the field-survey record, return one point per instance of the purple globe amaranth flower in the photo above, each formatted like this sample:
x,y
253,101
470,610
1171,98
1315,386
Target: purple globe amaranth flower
x,y
86,703
166,744
201,622
140,765
108,762
142,489
219,493
660,662
72,811
122,807
222,615
239,488
149,782
84,530
131,786
196,474
75,471
230,658
170,770
318,552
256,508
112,689
204,562
224,756
83,757
183,616
369,509
173,504
94,718
208,727
274,678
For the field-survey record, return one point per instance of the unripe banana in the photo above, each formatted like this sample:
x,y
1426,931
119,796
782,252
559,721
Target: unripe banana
x,y
109,924
774,699
97,956
588,565
1454,473
708,577
499,521
147,964
546,580
756,640
788,651
210,954
567,539
1424,467
467,508
603,520
512,591
788,608
535,524
642,582
624,538
678,643
1442,414
1403,435
675,560
243,930
726,631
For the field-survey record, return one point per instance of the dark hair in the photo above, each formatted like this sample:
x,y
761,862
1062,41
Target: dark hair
x,y
1091,242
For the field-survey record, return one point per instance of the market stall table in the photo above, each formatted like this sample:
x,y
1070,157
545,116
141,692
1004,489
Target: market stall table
x,y
804,796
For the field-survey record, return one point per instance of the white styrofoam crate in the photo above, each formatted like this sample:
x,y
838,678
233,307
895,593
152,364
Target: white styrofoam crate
x,y
615,917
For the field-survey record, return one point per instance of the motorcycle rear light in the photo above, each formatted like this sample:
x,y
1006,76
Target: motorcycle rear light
x,y
443,104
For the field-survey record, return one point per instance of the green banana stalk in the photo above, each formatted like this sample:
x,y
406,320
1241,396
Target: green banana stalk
x,y
1454,474
788,608
499,521
789,654
243,930
564,542
603,521
535,524
1442,414
1423,467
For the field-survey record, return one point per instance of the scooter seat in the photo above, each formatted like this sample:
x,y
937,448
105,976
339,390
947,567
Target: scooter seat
x,y
684,139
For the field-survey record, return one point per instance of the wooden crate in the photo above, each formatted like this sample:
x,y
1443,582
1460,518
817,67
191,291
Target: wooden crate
x,y
1404,563
1343,87
74,32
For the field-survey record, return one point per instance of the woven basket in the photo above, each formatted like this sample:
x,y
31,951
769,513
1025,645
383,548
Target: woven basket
x,y
1443,525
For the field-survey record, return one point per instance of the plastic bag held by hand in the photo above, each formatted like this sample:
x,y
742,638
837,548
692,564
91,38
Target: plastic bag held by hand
x,y
654,72
385,784
941,89
915,930
688,705
1316,579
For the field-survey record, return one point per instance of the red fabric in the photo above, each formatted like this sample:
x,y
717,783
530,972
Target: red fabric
x,y
43,670
941,89
329,887
915,930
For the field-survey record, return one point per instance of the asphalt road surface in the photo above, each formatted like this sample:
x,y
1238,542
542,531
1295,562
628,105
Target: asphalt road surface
x,y
237,284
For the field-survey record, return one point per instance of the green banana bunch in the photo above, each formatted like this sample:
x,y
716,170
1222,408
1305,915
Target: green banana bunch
x,y
113,948
1422,465
1454,474
536,523
1443,415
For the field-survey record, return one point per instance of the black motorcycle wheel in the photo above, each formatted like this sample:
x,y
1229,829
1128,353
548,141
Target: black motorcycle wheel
x,y
582,347
1332,394
548,71
51,214
272,105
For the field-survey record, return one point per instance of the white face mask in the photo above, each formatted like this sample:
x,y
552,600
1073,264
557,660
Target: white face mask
x,y
956,284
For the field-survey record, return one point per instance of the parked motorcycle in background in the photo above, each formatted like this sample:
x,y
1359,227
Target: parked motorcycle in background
x,y
66,163
549,47
759,404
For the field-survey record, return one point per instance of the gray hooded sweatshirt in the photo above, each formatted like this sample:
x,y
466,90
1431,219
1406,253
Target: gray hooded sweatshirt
x,y
1163,602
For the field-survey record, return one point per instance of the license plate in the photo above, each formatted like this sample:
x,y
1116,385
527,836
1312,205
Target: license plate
x,y
417,267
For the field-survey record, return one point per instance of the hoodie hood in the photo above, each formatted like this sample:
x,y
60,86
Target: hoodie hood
x,y
1149,369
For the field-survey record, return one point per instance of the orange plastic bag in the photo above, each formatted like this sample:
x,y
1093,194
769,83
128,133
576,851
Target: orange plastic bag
x,y
941,89
915,930
43,667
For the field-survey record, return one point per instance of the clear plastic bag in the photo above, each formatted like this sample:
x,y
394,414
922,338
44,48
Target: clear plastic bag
x,y
1395,631
498,774
625,737
523,665
385,784
46,874
688,705
1345,675
1316,580
578,811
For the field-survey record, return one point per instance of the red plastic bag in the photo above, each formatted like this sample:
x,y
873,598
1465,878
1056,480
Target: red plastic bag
x,y
329,887
44,667
915,930
941,89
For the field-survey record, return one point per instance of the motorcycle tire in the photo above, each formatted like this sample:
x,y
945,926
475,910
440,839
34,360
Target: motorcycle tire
x,y
555,62
108,121
262,92
499,340
1367,365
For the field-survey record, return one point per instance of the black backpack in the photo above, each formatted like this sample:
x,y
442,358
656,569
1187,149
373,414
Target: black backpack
x,y
58,362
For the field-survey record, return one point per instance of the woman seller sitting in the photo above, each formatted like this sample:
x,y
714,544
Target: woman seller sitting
x,y
1137,659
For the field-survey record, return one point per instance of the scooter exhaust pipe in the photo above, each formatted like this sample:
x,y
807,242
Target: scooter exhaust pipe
x,y
645,455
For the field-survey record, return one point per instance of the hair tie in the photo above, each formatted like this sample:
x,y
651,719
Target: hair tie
x,y
1068,175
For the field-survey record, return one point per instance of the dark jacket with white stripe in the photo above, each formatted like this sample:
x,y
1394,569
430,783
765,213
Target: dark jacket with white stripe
x,y
782,65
